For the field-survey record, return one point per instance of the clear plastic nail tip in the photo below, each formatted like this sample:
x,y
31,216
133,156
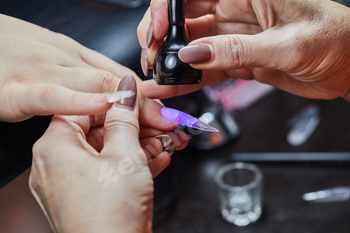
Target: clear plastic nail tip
x,y
119,96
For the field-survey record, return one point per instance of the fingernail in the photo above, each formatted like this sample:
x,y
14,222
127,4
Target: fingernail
x,y
167,142
101,97
127,83
144,61
111,97
149,35
170,114
195,53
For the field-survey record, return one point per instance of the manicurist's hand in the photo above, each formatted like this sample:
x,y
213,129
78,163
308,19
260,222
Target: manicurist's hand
x,y
94,173
44,73
298,46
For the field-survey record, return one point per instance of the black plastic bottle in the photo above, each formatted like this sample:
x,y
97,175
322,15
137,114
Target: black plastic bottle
x,y
168,68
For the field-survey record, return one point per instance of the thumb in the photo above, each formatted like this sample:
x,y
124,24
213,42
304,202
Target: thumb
x,y
121,124
267,49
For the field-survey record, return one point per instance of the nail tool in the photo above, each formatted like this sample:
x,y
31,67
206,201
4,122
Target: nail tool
x,y
329,195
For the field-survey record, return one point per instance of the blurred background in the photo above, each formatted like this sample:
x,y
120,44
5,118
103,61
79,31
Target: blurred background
x,y
300,145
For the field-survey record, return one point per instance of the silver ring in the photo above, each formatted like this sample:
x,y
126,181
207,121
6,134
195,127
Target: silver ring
x,y
167,142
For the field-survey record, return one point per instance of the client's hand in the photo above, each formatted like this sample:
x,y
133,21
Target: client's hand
x,y
298,46
91,174
44,73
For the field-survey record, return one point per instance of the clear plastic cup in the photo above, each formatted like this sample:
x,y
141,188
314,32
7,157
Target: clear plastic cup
x,y
240,192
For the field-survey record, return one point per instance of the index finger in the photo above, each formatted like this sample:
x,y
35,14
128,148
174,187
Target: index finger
x,y
150,89
49,99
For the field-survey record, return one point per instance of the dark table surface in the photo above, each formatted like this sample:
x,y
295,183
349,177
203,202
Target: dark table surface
x,y
188,188
185,193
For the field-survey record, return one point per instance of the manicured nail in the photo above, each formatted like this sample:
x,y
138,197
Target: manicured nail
x,y
149,35
144,61
111,97
119,96
170,114
127,83
195,53
167,142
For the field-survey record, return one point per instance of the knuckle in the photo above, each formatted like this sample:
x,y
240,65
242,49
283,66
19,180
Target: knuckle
x,y
106,81
39,149
39,166
9,109
75,99
32,184
46,95
47,92
115,122
234,49
298,49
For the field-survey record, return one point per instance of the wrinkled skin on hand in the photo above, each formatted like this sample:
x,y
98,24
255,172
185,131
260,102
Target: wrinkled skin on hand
x,y
298,46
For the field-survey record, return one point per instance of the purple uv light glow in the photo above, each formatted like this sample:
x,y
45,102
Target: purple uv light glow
x,y
177,116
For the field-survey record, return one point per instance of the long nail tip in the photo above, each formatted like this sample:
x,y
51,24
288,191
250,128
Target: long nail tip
x,y
213,130
182,118
170,114
210,128
119,95
207,128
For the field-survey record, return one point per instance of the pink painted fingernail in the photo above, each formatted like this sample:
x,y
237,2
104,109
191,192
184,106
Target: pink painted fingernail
x,y
149,35
144,61
195,53
128,83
